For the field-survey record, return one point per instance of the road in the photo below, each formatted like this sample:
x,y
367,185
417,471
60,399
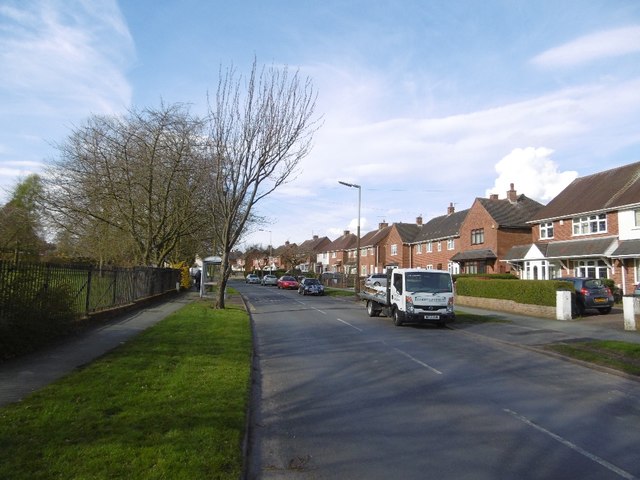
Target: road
x,y
339,395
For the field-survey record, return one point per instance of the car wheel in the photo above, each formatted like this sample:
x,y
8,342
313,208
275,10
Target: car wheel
x,y
397,317
604,311
376,284
371,311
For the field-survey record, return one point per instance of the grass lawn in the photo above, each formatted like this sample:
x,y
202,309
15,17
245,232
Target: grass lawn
x,y
169,404
621,356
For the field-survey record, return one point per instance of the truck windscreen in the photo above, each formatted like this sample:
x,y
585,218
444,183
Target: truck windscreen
x,y
428,282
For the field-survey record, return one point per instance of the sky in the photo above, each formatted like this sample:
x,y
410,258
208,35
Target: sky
x,y
424,103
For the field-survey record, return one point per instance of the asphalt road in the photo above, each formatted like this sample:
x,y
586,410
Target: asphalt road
x,y
339,395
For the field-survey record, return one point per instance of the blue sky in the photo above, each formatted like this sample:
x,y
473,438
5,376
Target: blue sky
x,y
424,103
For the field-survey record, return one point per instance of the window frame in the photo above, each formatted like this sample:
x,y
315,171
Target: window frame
x,y
477,236
589,224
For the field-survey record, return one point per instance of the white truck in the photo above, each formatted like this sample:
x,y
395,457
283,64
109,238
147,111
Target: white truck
x,y
412,295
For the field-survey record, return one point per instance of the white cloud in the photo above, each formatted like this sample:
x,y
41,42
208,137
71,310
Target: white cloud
x,y
533,172
61,56
589,48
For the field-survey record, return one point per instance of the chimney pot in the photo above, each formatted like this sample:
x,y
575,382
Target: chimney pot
x,y
450,209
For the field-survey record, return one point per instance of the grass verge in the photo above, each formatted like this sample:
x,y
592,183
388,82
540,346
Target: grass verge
x,y
620,356
170,403
339,292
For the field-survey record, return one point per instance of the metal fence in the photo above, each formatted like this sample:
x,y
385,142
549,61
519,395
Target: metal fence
x,y
89,289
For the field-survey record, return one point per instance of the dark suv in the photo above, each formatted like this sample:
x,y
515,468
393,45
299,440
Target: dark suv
x,y
590,293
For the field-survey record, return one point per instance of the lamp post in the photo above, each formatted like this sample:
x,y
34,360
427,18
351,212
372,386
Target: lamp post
x,y
270,249
357,282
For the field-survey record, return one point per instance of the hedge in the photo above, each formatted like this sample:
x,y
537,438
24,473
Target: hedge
x,y
533,292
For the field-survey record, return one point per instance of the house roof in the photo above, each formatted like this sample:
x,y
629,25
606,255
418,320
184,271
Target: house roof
x,y
578,248
518,252
345,242
509,214
474,255
587,247
314,244
444,226
375,237
603,191
627,248
408,231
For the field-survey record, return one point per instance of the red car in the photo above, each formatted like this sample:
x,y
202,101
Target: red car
x,y
288,282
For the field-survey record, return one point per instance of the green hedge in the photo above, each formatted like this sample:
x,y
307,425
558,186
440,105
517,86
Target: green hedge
x,y
532,292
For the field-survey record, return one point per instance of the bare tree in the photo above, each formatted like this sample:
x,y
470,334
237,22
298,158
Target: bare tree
x,y
138,177
259,130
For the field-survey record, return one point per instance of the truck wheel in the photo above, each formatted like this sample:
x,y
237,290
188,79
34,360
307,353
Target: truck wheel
x,y
397,317
371,310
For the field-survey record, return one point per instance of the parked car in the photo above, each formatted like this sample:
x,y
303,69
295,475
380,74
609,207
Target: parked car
x,y
287,281
310,286
590,293
376,280
252,278
270,280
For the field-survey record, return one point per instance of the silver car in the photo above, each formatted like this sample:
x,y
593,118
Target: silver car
x,y
269,280
376,280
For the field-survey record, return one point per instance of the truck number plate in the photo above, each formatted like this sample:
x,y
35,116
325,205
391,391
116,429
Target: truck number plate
x,y
432,317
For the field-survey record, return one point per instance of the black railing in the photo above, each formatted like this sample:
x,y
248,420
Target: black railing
x,y
87,289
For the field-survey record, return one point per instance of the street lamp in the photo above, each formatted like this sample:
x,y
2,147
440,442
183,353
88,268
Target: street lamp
x,y
270,249
357,282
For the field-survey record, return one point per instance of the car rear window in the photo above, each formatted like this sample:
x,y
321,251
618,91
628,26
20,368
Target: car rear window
x,y
593,283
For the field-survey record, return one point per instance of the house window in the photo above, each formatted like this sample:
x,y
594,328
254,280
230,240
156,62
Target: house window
x,y
451,244
477,237
430,267
429,247
590,224
590,268
419,248
394,249
439,246
333,254
546,230
474,267
636,215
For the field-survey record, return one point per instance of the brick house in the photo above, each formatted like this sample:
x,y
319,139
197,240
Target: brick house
x,y
308,254
592,228
337,259
438,241
372,250
490,229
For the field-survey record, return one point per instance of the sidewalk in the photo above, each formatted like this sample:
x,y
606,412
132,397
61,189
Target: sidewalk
x,y
24,375
532,331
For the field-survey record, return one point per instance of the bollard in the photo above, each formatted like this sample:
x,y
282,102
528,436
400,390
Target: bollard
x,y
631,307
563,305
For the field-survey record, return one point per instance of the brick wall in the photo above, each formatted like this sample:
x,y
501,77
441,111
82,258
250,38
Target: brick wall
x,y
506,306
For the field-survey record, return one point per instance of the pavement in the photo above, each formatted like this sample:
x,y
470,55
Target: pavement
x,y
23,376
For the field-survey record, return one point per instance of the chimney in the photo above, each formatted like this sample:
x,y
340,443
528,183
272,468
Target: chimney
x,y
346,232
450,209
419,220
382,225
493,196
315,237
512,195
